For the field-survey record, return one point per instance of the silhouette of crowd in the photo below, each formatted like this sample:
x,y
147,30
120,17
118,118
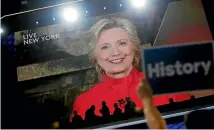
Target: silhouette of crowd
x,y
53,114
92,119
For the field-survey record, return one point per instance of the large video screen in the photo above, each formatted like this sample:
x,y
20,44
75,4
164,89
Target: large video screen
x,y
84,70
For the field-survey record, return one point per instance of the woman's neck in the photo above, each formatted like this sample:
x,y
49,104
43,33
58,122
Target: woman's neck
x,y
120,74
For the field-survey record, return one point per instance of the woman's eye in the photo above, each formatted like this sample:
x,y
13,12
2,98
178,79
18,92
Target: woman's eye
x,y
122,43
104,47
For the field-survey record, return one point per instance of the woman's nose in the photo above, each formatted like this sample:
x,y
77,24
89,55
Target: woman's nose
x,y
116,51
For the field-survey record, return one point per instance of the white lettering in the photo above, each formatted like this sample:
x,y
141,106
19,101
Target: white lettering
x,y
43,38
25,42
32,38
197,65
57,35
52,36
188,68
30,35
31,41
36,39
206,67
169,70
34,35
153,70
48,37
25,37
162,70
178,68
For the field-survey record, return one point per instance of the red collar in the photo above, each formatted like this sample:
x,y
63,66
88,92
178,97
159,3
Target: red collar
x,y
125,81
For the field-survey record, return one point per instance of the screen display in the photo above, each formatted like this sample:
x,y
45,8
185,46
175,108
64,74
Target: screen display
x,y
178,68
80,65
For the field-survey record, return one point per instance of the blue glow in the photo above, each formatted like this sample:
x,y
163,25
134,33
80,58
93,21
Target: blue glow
x,y
10,42
10,37
179,125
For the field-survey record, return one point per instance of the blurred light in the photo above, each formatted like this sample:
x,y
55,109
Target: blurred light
x,y
56,124
24,2
1,30
86,11
54,19
120,5
104,7
37,22
138,3
70,15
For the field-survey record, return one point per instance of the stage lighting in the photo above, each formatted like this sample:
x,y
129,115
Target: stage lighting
x,y
70,14
138,3
1,30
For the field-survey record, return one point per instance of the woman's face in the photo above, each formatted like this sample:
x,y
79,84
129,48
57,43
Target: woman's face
x,y
114,51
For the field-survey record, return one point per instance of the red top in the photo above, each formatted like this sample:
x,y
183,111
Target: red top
x,y
111,90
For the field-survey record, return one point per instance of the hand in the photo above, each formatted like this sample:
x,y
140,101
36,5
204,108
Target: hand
x,y
145,92
152,115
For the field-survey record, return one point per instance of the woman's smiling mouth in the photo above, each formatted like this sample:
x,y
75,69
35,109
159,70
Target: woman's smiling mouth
x,y
116,61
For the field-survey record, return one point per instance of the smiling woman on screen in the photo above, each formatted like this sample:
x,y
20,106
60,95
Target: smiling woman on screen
x,y
114,49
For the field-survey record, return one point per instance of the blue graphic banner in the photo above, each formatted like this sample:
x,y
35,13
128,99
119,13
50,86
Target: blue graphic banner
x,y
178,68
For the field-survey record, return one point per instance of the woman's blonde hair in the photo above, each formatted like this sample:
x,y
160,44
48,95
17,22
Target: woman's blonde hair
x,y
105,24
